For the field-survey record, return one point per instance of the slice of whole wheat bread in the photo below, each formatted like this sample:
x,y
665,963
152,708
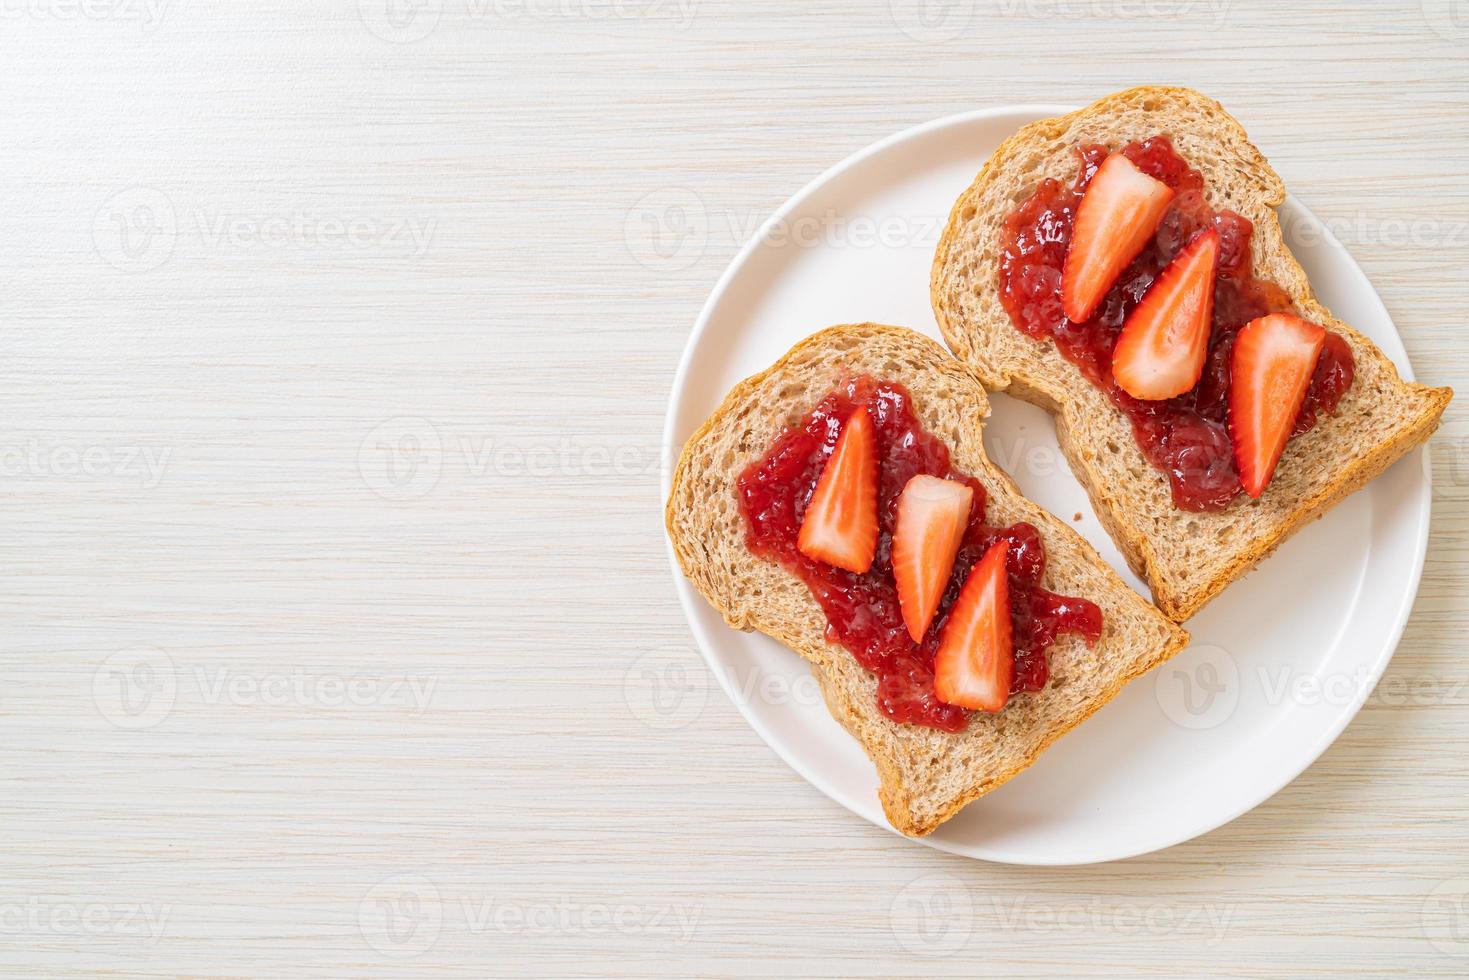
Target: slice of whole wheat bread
x,y
1187,558
926,775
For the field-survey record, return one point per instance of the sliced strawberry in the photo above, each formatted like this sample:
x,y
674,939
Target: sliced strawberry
x,y
976,660
840,526
1165,340
1118,214
932,516
1274,358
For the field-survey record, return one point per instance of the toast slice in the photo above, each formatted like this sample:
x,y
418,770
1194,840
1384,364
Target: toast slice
x,y
926,775
1187,558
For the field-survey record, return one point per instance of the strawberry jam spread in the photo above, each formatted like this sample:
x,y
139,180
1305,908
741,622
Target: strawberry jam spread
x,y
1187,437
862,610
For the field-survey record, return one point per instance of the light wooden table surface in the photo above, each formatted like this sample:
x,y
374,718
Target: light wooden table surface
x,y
336,348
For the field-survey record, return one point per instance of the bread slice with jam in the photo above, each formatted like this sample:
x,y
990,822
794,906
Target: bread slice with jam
x,y
1006,321
926,774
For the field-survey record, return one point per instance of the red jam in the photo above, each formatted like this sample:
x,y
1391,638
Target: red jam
x,y
1186,437
862,610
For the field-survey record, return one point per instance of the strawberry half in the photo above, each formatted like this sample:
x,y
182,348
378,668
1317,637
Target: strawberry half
x,y
1165,340
840,525
1274,358
975,662
1118,213
932,516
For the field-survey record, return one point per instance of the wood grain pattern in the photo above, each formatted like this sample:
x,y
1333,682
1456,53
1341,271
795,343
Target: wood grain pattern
x,y
332,569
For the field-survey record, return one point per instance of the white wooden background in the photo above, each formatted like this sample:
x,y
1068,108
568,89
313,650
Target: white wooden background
x,y
336,340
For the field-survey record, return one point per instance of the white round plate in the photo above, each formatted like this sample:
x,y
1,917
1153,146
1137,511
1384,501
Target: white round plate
x,y
1280,662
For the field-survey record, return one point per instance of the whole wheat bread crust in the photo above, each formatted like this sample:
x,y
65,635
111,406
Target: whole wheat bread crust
x,y
925,776
1186,558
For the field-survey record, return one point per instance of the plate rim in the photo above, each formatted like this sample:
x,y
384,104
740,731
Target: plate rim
x,y
688,598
